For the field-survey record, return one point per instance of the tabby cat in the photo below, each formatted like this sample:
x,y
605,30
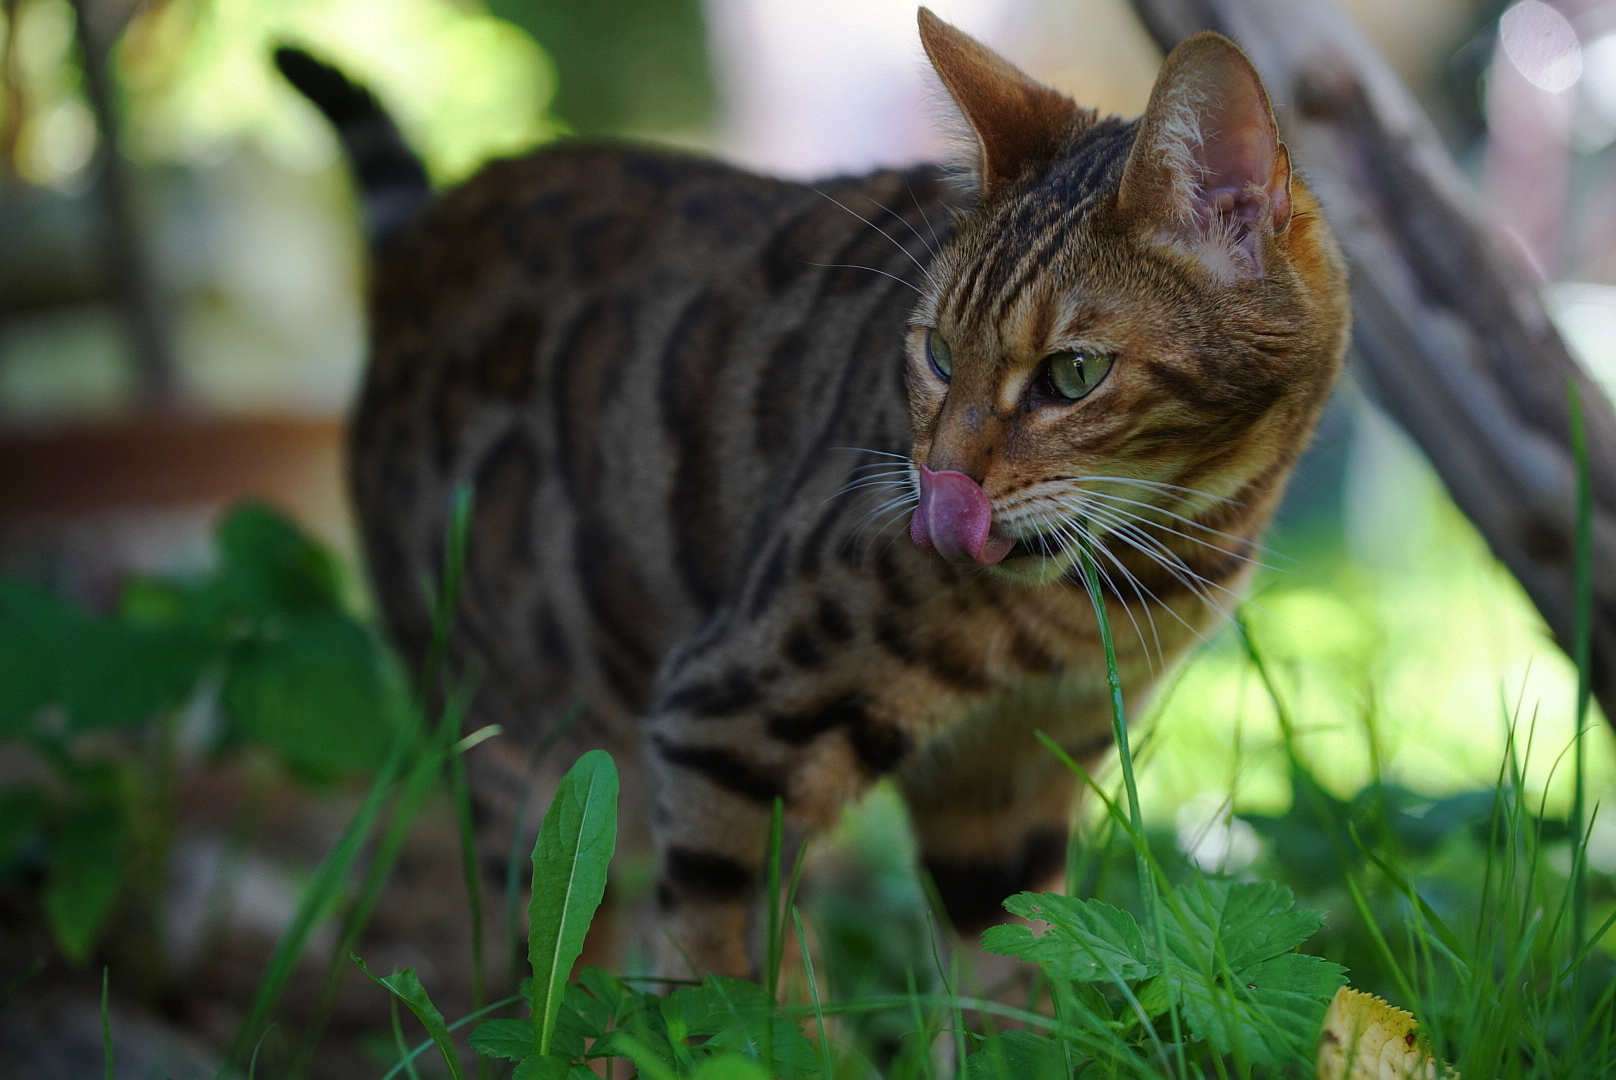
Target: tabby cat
x,y
698,408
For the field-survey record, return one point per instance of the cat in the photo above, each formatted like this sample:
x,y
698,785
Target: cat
x,y
781,489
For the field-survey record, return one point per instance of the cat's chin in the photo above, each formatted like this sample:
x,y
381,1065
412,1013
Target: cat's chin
x,y
1030,568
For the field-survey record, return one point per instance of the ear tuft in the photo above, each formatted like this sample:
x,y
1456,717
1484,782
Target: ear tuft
x,y
1020,125
1208,160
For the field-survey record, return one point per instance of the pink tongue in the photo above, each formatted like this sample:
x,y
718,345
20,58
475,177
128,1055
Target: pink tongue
x,y
955,518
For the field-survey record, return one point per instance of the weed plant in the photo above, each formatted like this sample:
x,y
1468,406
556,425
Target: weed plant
x,y
1479,911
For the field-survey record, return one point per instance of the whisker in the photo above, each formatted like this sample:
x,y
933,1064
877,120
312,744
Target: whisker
x,y
1122,535
1140,591
1167,559
881,518
1082,504
1160,485
924,217
871,269
1110,498
1094,598
1064,531
884,233
929,249
868,482
868,450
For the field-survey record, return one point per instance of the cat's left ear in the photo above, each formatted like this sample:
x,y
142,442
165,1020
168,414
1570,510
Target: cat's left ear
x,y
1020,125
1208,160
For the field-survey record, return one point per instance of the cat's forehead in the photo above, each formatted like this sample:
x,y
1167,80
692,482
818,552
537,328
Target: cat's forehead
x,y
1043,245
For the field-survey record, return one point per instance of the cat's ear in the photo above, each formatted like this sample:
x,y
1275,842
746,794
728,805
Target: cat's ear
x,y
1020,125
1207,161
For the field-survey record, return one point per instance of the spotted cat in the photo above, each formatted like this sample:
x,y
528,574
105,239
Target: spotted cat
x,y
781,488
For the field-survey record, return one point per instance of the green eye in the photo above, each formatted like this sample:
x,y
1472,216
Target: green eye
x,y
942,361
1072,375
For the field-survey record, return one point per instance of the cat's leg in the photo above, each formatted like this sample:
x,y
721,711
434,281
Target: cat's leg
x,y
991,810
715,780
728,740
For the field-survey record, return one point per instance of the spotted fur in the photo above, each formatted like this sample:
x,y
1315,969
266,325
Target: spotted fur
x,y
691,402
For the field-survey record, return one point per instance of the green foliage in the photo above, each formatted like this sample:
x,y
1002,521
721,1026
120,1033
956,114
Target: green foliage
x,y
1224,959
406,986
95,700
570,858
622,66
85,875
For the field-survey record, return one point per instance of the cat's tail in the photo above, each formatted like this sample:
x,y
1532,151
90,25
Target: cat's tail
x,y
393,185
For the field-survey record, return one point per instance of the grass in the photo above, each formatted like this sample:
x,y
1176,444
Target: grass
x,y
1468,909
1399,752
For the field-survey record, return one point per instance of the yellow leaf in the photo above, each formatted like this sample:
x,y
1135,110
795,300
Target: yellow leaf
x,y
1364,1038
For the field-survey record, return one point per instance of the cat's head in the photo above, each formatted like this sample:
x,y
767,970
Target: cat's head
x,y
1156,301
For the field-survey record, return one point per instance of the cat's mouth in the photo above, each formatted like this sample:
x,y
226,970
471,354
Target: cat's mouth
x,y
1035,546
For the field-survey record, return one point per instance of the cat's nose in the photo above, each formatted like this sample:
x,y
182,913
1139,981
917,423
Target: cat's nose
x,y
955,519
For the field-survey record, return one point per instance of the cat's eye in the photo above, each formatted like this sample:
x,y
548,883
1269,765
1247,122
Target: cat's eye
x,y
942,361
1072,375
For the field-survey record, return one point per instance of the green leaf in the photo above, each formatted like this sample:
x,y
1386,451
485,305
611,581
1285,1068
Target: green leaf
x,y
622,66
570,858
321,694
734,1014
116,674
103,673
22,808
34,628
1086,940
406,986
1249,921
269,567
511,1040
1019,1054
1272,1012
1231,972
550,1067
84,876
729,1067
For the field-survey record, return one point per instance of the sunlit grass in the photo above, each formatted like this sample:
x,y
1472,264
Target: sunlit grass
x,y
1412,638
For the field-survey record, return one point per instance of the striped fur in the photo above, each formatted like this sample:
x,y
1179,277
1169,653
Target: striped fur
x,y
689,401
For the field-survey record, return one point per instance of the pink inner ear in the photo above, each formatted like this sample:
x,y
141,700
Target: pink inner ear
x,y
1245,172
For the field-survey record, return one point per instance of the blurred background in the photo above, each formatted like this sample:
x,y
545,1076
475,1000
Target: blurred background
x,y
181,276
181,322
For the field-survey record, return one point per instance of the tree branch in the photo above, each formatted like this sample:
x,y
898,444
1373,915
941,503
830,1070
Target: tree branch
x,y
1450,333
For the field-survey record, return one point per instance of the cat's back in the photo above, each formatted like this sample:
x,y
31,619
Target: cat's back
x,y
638,362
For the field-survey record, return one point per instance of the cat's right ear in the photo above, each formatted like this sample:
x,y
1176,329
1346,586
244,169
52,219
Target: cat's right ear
x,y
1019,125
1207,170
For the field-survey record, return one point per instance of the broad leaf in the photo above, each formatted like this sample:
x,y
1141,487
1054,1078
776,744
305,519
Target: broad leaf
x,y
1248,920
34,628
1019,1054
551,1067
22,810
729,1067
320,693
84,876
1231,971
268,567
570,858
511,1040
738,1015
1086,940
102,672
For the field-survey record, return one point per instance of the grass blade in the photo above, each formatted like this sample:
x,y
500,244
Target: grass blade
x,y
570,858
1582,651
106,1026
